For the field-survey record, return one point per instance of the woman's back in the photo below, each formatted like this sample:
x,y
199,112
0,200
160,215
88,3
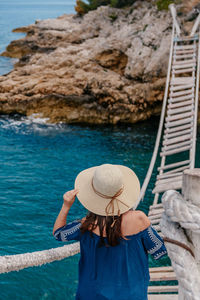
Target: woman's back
x,y
133,221
119,272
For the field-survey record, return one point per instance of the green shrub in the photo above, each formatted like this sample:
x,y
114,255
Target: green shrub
x,y
83,7
163,4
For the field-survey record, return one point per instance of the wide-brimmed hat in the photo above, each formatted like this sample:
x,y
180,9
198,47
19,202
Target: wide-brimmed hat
x,y
108,190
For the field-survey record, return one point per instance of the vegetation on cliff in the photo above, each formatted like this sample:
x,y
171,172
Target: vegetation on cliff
x,y
83,7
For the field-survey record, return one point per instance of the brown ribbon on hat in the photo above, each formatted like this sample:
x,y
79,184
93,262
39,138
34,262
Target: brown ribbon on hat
x,y
111,203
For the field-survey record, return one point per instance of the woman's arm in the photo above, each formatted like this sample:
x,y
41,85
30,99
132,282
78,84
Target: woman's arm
x,y
69,198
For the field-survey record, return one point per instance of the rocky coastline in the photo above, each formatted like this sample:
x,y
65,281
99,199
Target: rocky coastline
x,y
107,67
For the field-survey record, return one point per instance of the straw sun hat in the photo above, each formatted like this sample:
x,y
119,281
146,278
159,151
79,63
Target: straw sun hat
x,y
108,190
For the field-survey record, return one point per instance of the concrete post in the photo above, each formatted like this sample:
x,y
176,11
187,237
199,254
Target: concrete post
x,y
191,193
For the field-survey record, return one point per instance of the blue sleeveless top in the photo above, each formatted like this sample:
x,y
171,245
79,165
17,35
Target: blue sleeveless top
x,y
113,273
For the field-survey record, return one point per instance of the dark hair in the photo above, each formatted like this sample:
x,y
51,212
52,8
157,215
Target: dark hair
x,y
112,226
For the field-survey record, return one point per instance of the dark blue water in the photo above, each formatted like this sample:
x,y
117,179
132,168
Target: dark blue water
x,y
17,13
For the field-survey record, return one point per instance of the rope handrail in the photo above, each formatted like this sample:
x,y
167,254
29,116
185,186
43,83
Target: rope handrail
x,y
173,13
195,26
18,262
162,117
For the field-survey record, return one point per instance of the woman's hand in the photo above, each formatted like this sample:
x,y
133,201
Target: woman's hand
x,y
69,197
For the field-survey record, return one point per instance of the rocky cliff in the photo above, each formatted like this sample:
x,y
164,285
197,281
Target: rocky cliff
x,y
106,67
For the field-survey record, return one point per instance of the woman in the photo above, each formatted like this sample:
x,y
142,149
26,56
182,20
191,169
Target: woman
x,y
114,239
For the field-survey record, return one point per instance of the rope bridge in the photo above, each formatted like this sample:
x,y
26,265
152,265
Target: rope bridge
x,y
178,125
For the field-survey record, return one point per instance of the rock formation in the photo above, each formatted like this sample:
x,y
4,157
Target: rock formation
x,y
106,67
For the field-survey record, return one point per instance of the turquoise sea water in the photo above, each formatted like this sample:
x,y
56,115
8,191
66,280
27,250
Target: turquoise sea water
x,y
17,13
39,162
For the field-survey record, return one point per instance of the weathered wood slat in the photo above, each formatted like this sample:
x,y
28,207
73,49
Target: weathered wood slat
x,y
189,70
170,176
179,116
176,104
167,186
181,87
182,149
177,134
181,138
184,62
181,56
156,212
183,66
176,170
169,166
169,180
182,80
177,145
181,93
161,269
163,288
180,110
183,47
178,128
165,276
162,297
187,51
179,122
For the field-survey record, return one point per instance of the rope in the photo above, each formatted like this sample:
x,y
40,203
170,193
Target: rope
x,y
18,262
176,222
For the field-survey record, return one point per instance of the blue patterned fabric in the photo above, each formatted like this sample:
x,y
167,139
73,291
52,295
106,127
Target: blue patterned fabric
x,y
113,273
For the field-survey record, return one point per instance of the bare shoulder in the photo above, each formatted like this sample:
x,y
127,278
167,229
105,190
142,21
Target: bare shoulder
x,y
135,221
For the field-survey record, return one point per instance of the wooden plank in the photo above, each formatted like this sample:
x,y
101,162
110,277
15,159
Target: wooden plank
x,y
184,62
178,133
179,122
184,47
179,110
154,217
168,141
175,104
161,269
189,70
183,66
180,163
181,93
165,176
181,56
179,116
181,87
180,52
169,180
182,149
168,186
179,169
157,212
182,80
155,206
176,146
162,276
179,128
162,297
163,289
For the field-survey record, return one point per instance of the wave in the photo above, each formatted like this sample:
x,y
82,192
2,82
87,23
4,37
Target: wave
x,y
34,123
